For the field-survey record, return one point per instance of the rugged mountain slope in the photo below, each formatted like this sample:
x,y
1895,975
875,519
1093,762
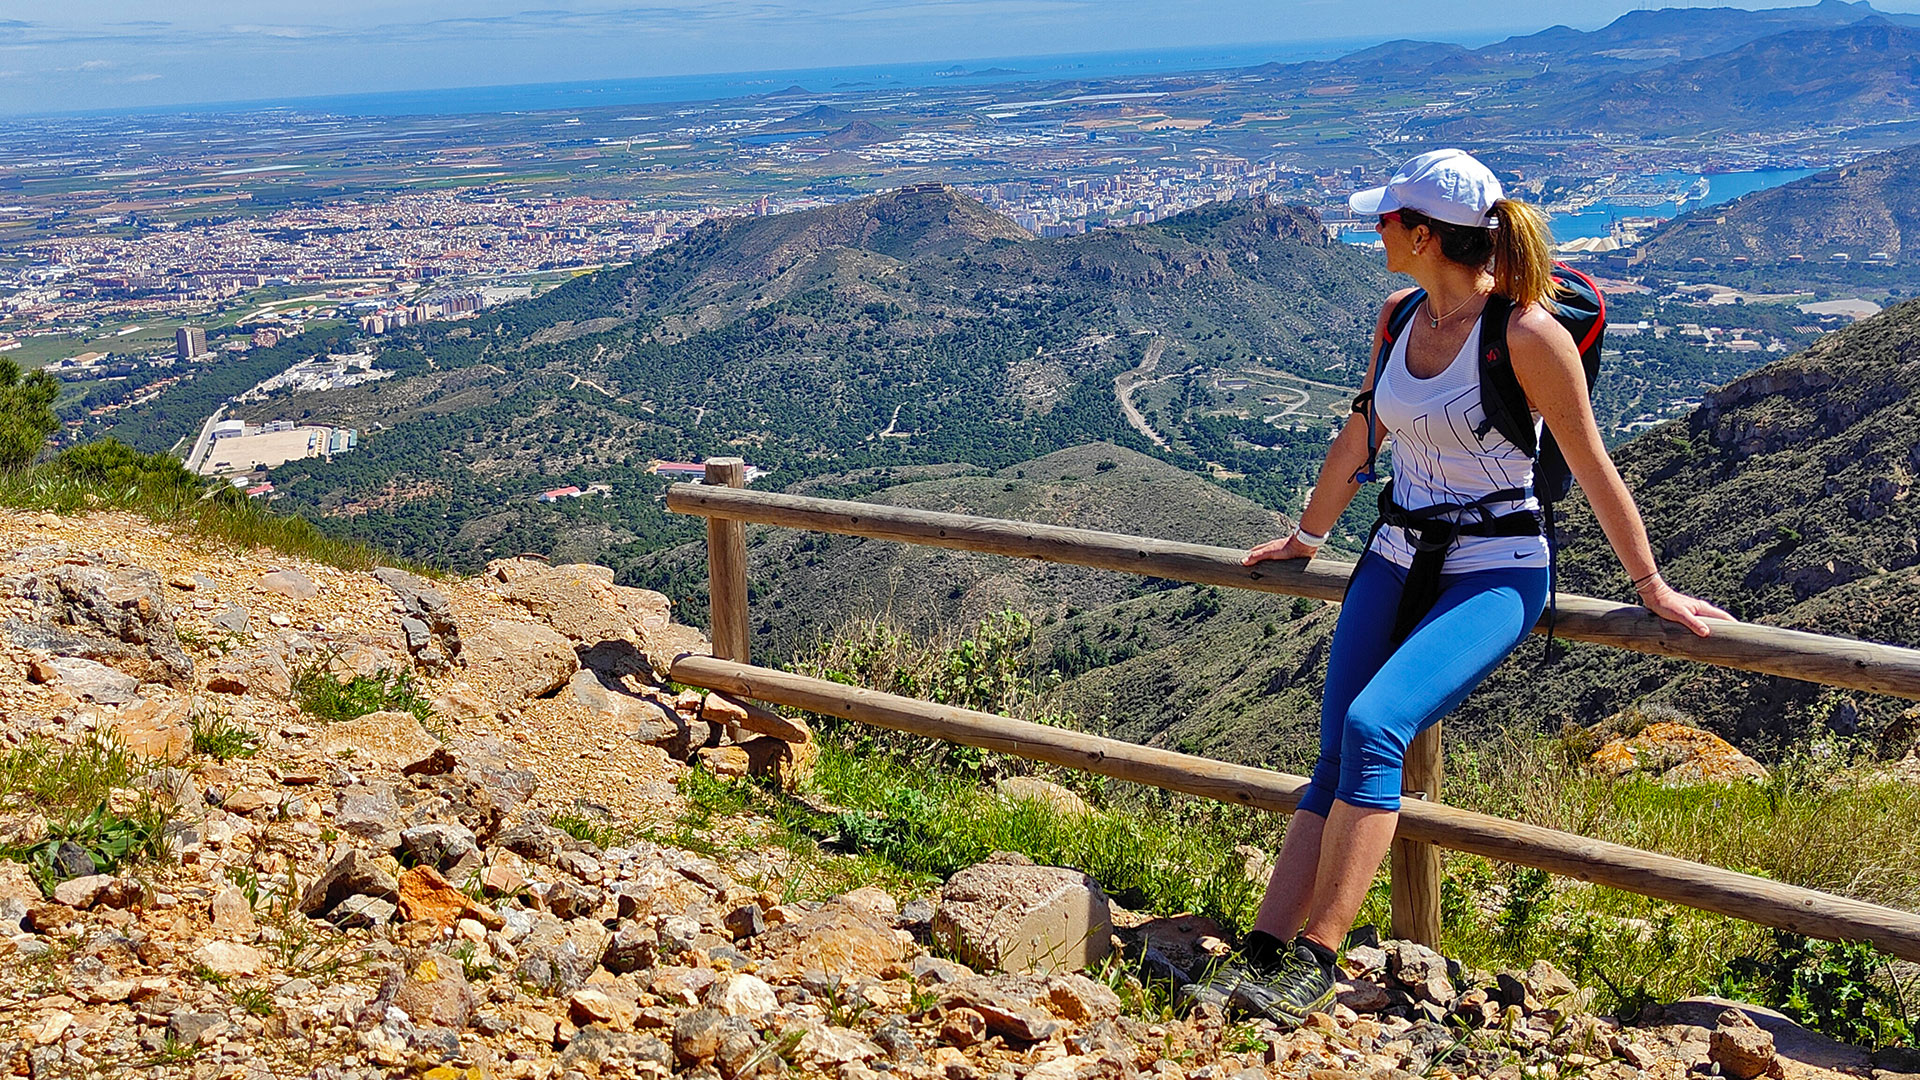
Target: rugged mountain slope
x,y
1869,206
536,885
1786,497
1861,73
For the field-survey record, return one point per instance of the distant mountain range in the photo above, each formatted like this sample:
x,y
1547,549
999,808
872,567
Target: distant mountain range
x,y
1868,208
1674,71
1654,37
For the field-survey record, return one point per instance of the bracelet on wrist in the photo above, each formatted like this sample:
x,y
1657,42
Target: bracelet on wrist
x,y
1309,540
1644,579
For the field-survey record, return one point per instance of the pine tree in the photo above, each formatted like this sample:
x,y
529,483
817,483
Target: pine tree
x,y
26,414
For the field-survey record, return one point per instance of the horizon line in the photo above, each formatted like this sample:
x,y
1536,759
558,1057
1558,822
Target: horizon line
x,y
273,104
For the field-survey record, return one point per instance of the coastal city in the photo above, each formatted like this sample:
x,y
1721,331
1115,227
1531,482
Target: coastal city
x,y
136,254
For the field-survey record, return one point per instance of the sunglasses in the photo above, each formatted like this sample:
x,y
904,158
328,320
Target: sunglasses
x,y
1401,218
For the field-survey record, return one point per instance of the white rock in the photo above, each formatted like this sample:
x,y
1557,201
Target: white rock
x,y
232,914
747,996
229,958
834,1046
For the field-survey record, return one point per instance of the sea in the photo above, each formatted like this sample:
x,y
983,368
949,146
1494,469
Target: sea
x,y
540,97
1597,219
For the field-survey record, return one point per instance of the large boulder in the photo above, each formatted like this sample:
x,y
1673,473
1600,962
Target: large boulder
x,y
389,738
91,680
1009,914
157,728
581,601
839,938
1681,755
518,660
119,617
644,718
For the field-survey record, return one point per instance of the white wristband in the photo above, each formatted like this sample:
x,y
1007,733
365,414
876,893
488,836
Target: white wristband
x,y
1308,540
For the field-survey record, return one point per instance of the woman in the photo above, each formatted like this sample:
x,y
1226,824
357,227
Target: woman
x,y
1446,224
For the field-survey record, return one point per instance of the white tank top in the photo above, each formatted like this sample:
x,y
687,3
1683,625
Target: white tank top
x,y
1437,459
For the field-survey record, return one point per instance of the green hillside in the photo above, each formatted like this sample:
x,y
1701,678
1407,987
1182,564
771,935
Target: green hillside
x,y
898,331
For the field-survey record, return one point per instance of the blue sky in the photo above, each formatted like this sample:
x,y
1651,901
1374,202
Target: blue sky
x,y
90,54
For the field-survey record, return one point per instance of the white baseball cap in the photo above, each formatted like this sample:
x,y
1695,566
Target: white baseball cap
x,y
1446,185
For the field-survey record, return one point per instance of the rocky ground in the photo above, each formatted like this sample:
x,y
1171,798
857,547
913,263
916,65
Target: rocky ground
x,y
379,896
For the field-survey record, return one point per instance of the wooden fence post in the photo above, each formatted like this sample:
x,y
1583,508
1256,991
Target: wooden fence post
x,y
1416,866
727,568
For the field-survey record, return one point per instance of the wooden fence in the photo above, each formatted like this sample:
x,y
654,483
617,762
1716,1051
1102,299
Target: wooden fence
x,y
1425,823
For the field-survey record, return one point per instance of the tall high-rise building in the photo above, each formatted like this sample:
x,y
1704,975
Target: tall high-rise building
x,y
189,342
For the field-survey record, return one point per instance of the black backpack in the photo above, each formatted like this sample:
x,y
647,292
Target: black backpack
x,y
1577,304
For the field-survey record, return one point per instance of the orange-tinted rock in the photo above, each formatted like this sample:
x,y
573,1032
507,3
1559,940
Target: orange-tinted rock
x,y
425,894
1680,754
839,939
156,729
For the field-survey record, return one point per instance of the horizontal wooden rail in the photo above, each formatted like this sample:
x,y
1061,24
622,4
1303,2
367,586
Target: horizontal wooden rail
x,y
1770,650
1663,877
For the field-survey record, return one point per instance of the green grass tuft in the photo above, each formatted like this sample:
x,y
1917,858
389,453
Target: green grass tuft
x,y
81,792
600,833
108,475
218,737
326,696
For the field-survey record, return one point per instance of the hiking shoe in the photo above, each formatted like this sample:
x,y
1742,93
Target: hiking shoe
x,y
1283,991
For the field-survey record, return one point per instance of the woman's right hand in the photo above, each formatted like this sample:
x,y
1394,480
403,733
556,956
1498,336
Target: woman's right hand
x,y
1287,547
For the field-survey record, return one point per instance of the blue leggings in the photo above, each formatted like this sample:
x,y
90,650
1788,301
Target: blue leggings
x,y
1378,698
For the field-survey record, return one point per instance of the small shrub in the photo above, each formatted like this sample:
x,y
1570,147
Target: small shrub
x,y
1847,990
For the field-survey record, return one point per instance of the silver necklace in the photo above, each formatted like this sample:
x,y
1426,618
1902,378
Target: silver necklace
x,y
1434,321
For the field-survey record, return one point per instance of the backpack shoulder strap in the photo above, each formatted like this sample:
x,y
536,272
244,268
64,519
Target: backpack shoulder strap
x,y
1397,321
1501,398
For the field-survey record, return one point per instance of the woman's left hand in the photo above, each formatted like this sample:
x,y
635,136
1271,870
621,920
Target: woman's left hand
x,y
1674,606
1287,547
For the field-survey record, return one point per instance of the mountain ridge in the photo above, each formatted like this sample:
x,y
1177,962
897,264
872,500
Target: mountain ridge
x,y
1870,206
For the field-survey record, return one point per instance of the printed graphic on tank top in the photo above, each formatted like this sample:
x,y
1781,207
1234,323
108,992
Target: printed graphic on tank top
x,y
1438,459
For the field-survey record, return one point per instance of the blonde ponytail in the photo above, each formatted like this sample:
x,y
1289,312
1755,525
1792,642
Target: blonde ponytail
x,y
1522,252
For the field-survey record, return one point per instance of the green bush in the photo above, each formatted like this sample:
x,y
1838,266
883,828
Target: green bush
x,y
111,476
1844,989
